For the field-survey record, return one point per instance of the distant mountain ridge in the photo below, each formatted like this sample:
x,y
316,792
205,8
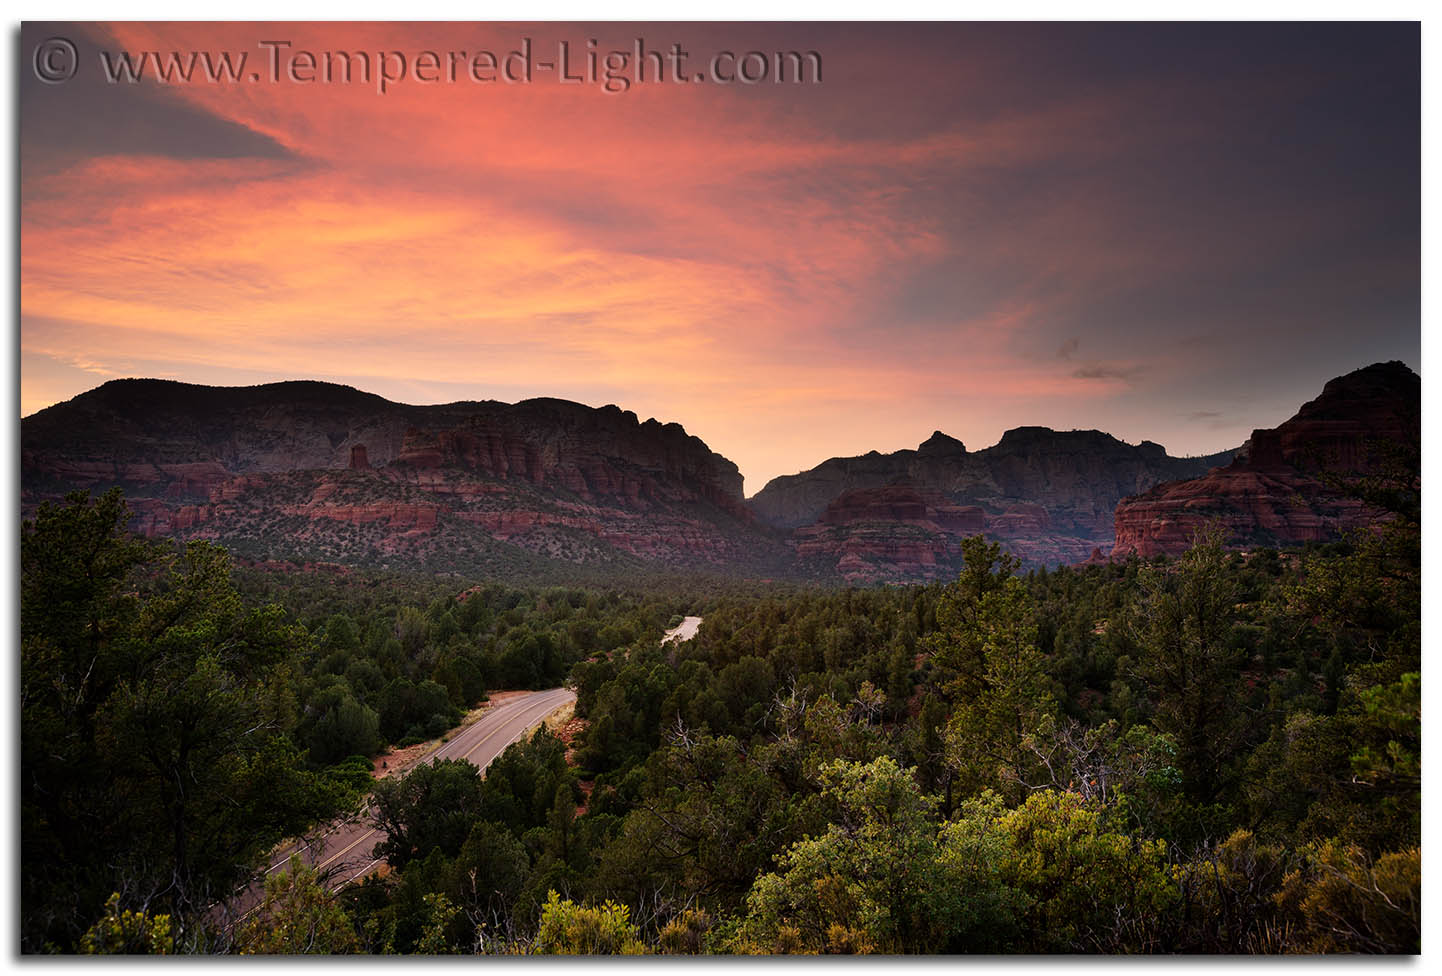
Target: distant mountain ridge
x,y
1049,495
1004,471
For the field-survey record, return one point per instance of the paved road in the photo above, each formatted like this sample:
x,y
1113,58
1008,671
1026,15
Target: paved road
x,y
684,632
343,852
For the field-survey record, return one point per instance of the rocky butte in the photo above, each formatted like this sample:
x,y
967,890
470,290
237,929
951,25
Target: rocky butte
x,y
1292,484
321,471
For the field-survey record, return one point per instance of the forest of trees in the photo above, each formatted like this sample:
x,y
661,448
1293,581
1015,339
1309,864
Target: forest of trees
x,y
1213,754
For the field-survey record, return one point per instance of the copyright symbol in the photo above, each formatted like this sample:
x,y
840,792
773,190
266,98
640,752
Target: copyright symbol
x,y
56,60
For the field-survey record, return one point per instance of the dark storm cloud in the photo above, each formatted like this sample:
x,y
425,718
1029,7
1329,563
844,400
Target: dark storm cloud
x,y
1103,372
86,116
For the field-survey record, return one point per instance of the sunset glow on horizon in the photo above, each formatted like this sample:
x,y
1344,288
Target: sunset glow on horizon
x,y
1166,232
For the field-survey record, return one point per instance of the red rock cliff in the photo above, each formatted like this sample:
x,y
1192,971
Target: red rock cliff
x,y
1283,489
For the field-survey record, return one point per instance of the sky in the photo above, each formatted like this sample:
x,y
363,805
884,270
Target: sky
x,y
1172,232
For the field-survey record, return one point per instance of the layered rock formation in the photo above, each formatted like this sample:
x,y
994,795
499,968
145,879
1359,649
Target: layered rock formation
x,y
1048,495
1289,485
312,472
323,471
895,531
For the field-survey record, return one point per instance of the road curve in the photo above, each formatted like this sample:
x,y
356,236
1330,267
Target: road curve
x,y
343,852
683,631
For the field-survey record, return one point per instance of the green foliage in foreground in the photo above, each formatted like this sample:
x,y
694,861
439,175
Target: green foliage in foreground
x,y
570,929
156,766
1215,754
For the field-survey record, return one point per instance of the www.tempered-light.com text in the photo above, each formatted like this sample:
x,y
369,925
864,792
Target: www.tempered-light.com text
x,y
613,70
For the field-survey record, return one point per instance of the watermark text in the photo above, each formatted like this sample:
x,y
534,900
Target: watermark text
x,y
610,69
